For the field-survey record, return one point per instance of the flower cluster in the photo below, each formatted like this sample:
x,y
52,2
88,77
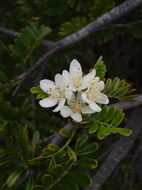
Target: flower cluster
x,y
74,93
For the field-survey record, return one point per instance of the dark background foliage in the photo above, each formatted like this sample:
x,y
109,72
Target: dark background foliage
x,y
120,45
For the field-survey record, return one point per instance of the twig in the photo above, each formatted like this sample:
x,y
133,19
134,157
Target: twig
x,y
120,25
16,34
129,104
9,32
121,149
102,21
126,24
54,139
23,178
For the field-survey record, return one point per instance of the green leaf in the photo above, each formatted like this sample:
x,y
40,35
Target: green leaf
x,y
71,153
29,185
93,128
123,131
3,77
100,134
73,25
98,8
65,132
102,115
38,187
81,178
111,114
40,94
36,90
36,136
52,164
106,120
68,184
88,149
60,156
119,116
87,163
53,147
100,68
80,142
47,179
27,42
68,164
119,89
9,112
119,119
24,140
13,177
57,170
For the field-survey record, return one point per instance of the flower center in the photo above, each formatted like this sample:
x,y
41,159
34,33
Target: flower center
x,y
58,93
92,93
76,105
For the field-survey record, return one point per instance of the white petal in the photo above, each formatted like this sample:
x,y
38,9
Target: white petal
x,y
69,101
48,102
100,85
79,97
60,81
75,67
60,105
87,79
87,110
47,85
94,106
76,116
68,93
84,98
66,75
65,111
102,99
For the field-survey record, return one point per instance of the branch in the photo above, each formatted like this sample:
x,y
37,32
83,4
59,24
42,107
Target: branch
x,y
16,34
129,104
50,44
95,26
102,21
123,146
54,139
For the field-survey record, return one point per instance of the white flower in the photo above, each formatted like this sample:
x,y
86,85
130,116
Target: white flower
x,y
93,95
75,77
57,91
74,93
75,107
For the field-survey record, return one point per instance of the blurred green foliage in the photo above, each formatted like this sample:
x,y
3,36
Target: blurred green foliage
x,y
22,121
